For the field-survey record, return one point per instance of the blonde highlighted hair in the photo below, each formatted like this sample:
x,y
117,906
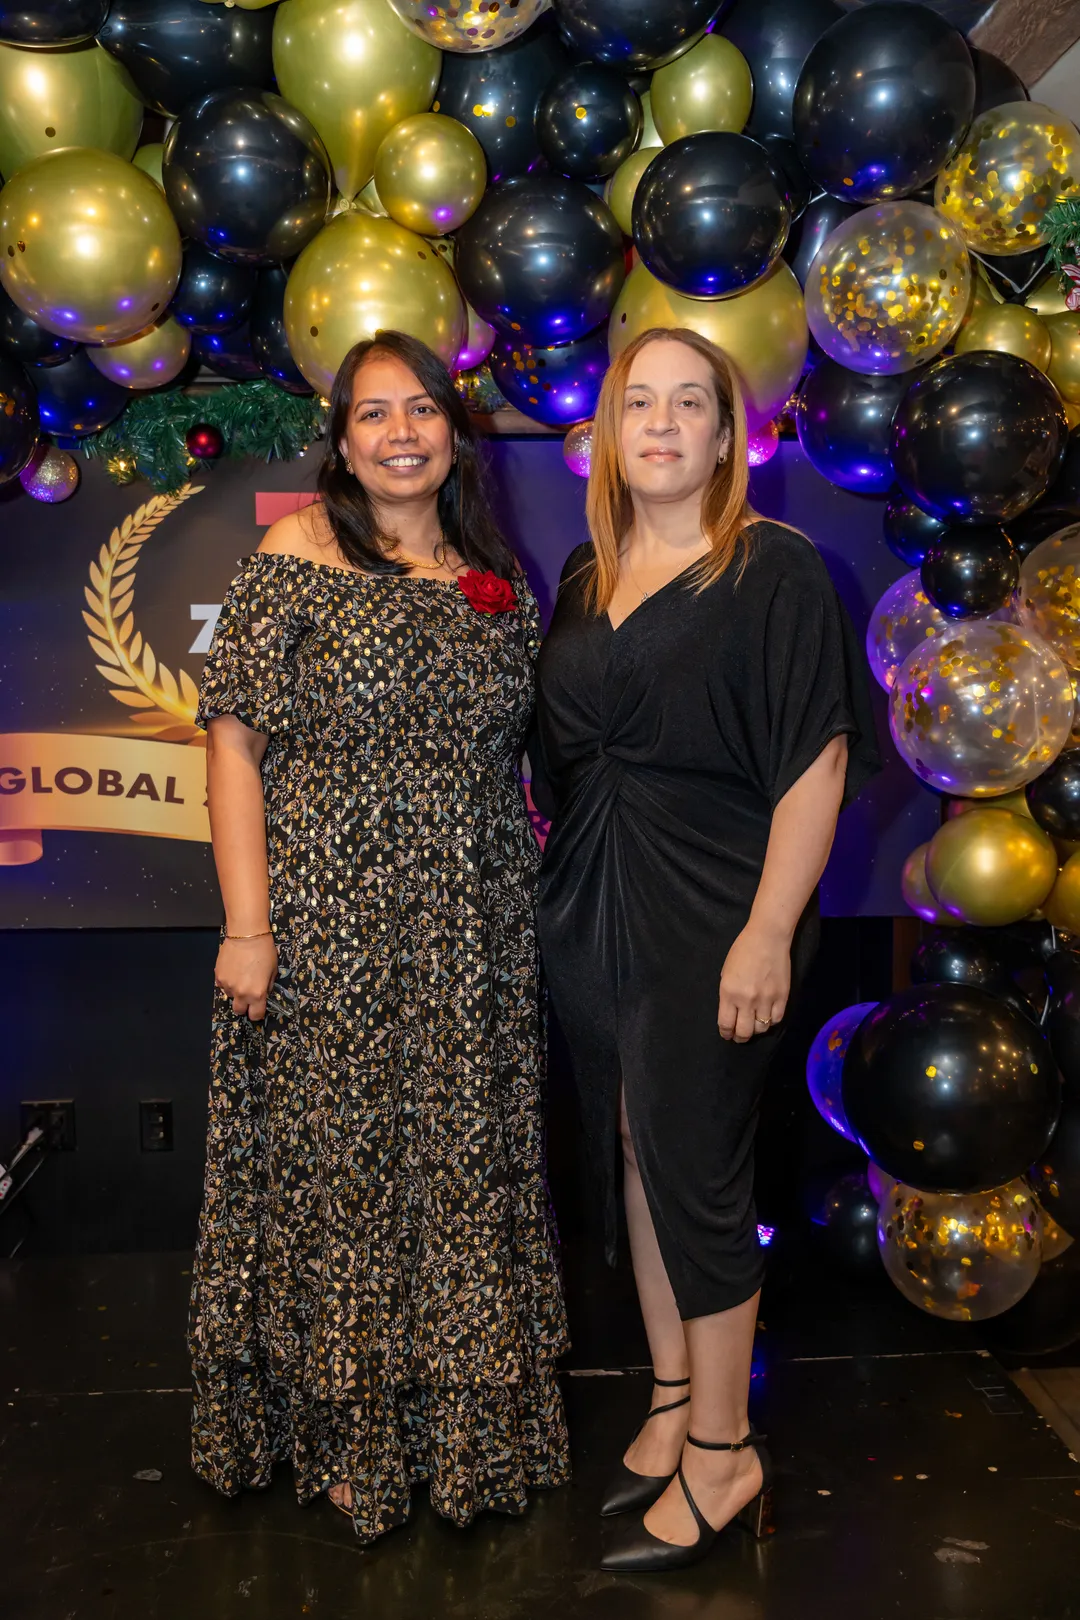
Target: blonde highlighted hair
x,y
725,510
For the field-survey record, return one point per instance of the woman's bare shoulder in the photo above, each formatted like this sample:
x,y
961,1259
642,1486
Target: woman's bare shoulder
x,y
305,533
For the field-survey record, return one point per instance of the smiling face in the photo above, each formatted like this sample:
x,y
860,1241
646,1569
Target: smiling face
x,y
672,434
399,442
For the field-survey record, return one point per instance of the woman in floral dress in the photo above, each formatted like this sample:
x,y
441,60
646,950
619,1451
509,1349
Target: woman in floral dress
x,y
375,1295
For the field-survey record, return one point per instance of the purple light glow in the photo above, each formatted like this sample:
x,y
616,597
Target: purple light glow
x,y
765,1235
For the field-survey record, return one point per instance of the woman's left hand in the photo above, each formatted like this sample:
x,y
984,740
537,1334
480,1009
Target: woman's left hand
x,y
754,985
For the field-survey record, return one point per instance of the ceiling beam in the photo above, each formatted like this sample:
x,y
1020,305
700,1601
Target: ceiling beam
x,y
1030,35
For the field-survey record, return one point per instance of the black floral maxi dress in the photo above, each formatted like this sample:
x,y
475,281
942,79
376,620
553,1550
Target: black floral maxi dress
x,y
375,1291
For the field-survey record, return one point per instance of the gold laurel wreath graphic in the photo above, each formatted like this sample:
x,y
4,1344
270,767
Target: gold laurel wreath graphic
x,y
165,706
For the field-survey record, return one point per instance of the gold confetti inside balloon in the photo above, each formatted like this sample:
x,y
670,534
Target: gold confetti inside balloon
x,y
51,478
990,867
146,360
965,1257
917,892
430,173
1064,367
148,159
1048,596
620,189
79,96
360,275
904,618
355,70
88,247
982,710
708,87
1016,160
888,288
1009,328
470,25
1062,908
762,331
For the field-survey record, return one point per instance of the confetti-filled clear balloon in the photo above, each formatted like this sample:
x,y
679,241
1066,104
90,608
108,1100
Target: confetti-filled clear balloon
x,y
981,710
52,478
762,444
966,1256
471,25
1016,160
903,619
888,288
577,449
1048,601
825,1065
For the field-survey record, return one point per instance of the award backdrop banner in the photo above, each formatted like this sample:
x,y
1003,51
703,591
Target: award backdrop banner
x,y
109,604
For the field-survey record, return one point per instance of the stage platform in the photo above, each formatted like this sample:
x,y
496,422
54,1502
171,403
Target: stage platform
x,y
915,1480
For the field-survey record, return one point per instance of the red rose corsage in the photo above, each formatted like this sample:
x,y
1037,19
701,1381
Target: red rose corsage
x,y
487,593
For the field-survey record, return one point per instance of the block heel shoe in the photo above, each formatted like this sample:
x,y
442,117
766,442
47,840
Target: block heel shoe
x,y
628,1491
641,1551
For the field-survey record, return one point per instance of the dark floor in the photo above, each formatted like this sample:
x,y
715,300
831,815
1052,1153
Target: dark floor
x,y
914,1481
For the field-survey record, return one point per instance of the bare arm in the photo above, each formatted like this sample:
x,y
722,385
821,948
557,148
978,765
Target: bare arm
x,y
756,979
246,968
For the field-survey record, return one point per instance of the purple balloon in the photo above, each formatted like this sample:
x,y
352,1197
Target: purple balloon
x,y
825,1064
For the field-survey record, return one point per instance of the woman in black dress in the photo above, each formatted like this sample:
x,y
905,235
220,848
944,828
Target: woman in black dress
x,y
376,1298
702,718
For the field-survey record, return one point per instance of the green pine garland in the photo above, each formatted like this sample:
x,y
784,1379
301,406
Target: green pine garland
x,y
1060,228
254,419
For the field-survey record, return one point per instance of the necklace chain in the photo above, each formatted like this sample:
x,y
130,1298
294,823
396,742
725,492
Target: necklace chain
x,y
441,547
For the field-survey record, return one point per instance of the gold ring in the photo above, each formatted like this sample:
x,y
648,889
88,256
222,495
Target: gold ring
x,y
764,1022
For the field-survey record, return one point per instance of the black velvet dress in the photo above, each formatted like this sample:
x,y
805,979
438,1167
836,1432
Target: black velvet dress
x,y
664,747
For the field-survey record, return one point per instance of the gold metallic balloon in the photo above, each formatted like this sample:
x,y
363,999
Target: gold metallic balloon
x,y
478,344
1064,367
79,96
1046,297
990,868
468,25
1063,906
1072,414
620,189
965,1257
355,70
982,710
360,275
1048,596
1016,160
88,246
368,198
650,135
430,173
983,294
148,159
917,892
888,288
708,87
1016,803
762,331
1008,328
146,360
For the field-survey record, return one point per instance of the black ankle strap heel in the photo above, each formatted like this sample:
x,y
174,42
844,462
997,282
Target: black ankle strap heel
x,y
627,1490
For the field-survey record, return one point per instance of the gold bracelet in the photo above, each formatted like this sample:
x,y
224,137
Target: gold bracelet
x,y
267,933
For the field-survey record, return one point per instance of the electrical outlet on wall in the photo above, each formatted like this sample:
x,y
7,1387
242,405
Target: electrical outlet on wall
x,y
156,1125
54,1118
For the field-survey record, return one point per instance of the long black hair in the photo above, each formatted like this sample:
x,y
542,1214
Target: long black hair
x,y
464,506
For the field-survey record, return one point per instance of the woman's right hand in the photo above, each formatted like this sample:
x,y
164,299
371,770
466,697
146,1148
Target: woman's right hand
x,y
246,969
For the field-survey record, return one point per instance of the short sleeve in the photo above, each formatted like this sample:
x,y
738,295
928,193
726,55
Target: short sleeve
x,y
815,679
249,670
532,630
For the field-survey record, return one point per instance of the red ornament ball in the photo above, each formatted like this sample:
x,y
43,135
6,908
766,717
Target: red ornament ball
x,y
204,442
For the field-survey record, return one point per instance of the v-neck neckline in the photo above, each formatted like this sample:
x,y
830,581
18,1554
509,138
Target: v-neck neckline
x,y
652,595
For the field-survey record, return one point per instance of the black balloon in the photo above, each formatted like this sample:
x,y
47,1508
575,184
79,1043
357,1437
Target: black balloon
x,y
589,121
1065,490
846,1221
1063,1018
18,419
24,340
557,386
844,423
822,216
269,345
213,295
541,259
230,354
909,531
1056,1172
1054,797
74,399
1038,523
949,1090
995,82
1046,1320
178,50
798,186
497,95
978,437
1015,273
247,176
50,22
971,570
632,34
710,214
776,37
958,956
884,98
